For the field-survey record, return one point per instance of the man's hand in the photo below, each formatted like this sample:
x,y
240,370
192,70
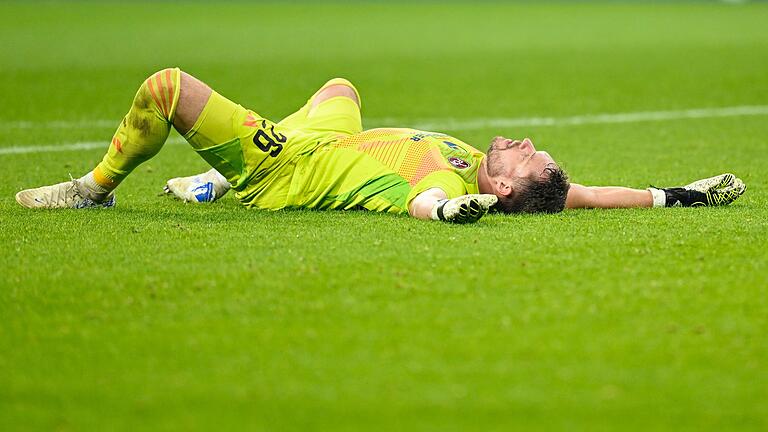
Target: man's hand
x,y
463,209
714,191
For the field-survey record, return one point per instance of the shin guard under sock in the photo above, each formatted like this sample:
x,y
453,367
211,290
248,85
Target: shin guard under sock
x,y
143,130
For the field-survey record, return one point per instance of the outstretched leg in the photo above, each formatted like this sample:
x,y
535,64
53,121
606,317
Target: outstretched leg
x,y
167,98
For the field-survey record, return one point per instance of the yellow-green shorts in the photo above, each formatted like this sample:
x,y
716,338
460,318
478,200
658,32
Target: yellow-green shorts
x,y
256,155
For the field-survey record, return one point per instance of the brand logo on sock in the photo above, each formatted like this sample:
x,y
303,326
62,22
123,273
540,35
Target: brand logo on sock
x,y
118,145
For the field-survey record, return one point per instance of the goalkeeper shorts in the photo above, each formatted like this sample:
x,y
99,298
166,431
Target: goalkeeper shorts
x,y
256,155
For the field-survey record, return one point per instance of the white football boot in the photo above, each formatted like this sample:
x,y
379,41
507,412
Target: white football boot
x,y
69,194
201,188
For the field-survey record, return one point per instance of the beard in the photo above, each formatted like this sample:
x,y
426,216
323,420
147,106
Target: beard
x,y
493,155
494,164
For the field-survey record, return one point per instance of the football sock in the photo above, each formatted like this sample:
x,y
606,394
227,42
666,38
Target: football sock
x,y
96,190
141,134
659,197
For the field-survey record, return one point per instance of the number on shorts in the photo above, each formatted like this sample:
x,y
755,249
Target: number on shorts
x,y
269,144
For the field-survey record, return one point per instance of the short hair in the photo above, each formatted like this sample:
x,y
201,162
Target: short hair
x,y
538,196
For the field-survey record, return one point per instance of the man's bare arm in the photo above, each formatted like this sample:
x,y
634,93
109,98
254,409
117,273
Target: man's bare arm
x,y
421,206
607,197
714,191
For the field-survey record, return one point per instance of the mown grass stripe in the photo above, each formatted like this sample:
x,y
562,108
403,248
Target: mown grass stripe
x,y
428,124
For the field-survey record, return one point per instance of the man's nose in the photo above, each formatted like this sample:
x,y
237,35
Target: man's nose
x,y
528,144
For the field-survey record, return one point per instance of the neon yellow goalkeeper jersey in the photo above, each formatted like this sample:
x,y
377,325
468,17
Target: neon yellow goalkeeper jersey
x,y
319,157
378,169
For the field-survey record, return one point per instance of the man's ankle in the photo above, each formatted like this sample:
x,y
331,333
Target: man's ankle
x,y
91,189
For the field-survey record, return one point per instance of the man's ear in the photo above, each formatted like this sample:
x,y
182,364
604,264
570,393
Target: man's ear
x,y
503,186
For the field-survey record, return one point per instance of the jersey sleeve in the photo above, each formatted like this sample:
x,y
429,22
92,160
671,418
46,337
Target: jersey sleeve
x,y
450,182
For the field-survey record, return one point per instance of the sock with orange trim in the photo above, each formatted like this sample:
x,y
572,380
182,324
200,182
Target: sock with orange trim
x,y
140,135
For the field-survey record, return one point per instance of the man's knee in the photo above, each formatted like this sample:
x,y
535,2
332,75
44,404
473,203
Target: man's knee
x,y
335,88
177,96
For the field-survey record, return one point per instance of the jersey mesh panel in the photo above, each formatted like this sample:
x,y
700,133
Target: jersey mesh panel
x,y
427,165
388,145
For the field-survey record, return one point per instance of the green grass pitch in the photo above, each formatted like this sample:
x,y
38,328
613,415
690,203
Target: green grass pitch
x,y
158,315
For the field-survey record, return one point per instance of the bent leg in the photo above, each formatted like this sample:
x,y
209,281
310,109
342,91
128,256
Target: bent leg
x,y
335,90
214,137
222,127
335,107
192,99
142,132
169,97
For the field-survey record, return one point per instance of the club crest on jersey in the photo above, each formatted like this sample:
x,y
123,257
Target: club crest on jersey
x,y
458,163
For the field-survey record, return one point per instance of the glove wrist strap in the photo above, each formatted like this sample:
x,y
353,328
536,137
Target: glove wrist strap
x,y
659,197
683,197
437,210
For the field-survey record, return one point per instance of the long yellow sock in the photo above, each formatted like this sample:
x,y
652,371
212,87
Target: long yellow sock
x,y
143,130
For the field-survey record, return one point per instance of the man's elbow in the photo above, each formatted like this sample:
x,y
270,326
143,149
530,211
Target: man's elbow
x,y
582,197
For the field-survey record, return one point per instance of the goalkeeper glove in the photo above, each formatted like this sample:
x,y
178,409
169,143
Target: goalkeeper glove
x,y
463,209
715,191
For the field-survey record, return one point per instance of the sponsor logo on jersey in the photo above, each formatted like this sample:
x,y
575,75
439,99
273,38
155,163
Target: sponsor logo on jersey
x,y
461,151
420,136
458,163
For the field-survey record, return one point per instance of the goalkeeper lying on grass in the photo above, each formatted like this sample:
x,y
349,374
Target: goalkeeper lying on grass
x,y
319,157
